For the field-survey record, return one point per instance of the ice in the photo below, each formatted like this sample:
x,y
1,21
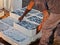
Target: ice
x,y
3,27
35,19
8,21
15,35
18,12
27,25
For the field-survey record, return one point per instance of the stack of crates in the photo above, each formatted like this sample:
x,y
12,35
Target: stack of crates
x,y
22,33
30,22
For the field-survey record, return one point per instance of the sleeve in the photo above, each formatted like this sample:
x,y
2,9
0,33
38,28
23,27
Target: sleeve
x,y
40,4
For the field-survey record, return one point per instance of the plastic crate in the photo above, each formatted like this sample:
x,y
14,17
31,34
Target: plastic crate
x,y
15,37
4,26
29,32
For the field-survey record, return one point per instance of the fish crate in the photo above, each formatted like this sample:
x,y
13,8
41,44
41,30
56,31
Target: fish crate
x,y
26,28
11,19
8,20
4,26
21,33
29,23
15,37
21,11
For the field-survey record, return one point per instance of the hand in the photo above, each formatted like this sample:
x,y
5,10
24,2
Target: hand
x,y
39,27
20,18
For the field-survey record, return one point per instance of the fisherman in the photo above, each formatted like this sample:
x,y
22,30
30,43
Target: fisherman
x,y
51,18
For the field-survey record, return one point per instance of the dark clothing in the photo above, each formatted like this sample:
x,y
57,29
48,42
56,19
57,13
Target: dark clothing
x,y
54,5
52,21
47,29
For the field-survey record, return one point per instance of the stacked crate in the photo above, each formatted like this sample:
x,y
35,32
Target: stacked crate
x,y
21,33
30,22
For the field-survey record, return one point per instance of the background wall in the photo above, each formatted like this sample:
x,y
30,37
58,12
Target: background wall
x,y
1,4
16,4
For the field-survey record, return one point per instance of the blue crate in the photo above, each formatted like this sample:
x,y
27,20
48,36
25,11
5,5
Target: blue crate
x,y
15,35
3,26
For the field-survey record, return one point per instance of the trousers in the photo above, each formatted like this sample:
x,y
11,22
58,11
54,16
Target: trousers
x,y
48,28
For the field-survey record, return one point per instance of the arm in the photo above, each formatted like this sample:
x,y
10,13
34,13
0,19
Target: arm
x,y
46,15
41,5
29,7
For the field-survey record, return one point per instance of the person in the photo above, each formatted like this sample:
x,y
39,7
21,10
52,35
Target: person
x,y
30,6
50,20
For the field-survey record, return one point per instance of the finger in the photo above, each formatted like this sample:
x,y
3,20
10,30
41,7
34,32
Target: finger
x,y
19,20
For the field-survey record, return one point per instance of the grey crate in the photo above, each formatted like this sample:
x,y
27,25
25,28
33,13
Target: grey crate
x,y
3,26
9,21
15,35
